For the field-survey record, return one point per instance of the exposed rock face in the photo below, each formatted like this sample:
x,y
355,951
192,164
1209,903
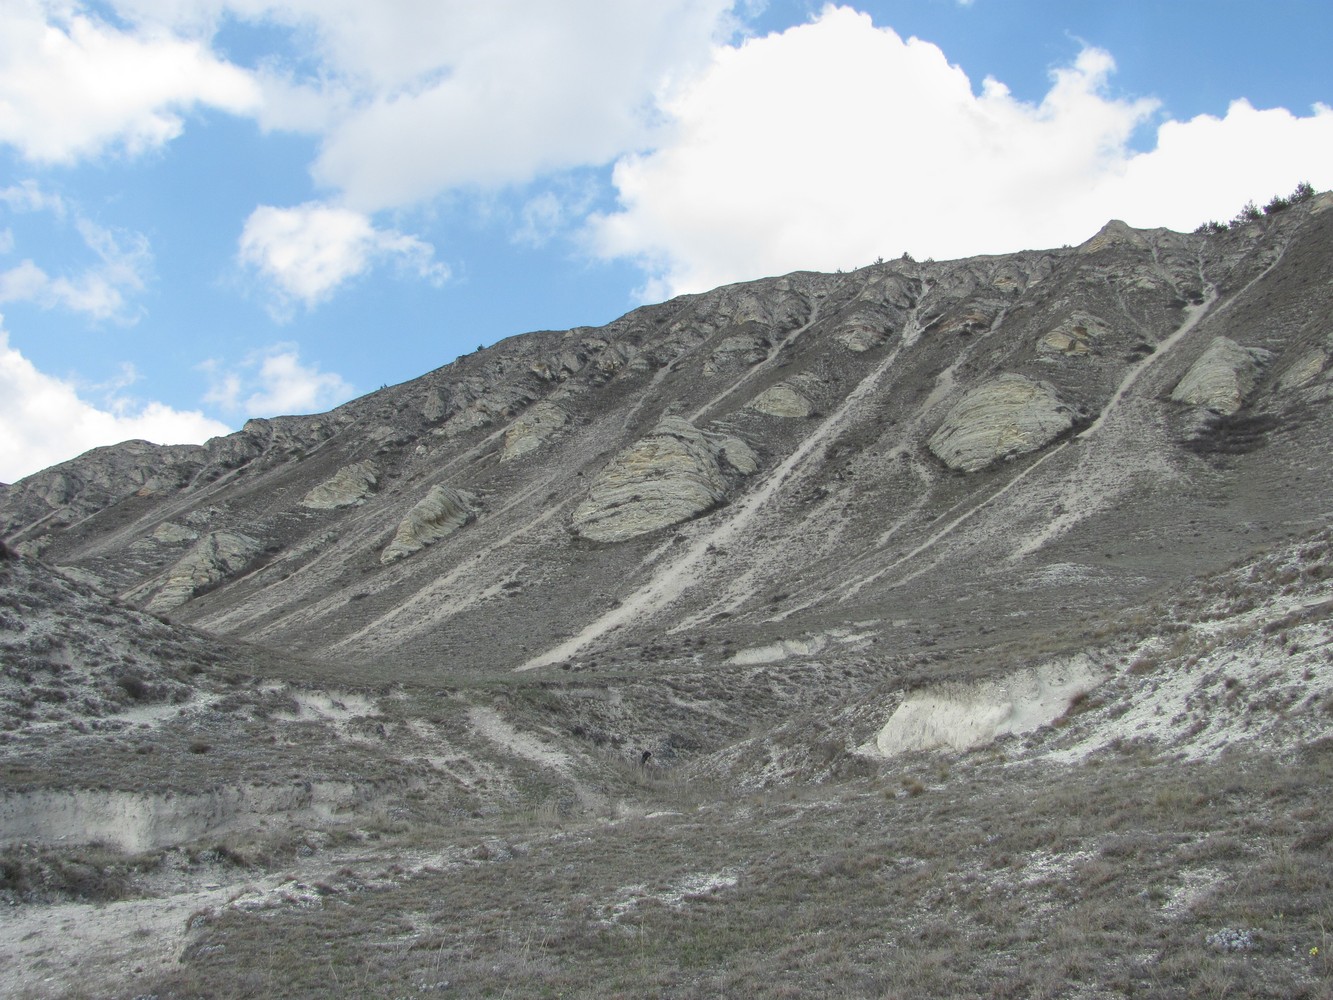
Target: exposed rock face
x,y
961,716
1008,416
442,512
1223,377
783,400
1075,337
348,486
741,349
1306,369
217,556
863,331
535,425
674,474
168,533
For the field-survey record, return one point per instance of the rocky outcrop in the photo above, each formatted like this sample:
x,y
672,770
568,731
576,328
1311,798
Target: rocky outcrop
x,y
1008,416
534,426
783,400
217,556
1076,337
737,350
442,512
1223,377
675,473
1308,367
169,533
347,487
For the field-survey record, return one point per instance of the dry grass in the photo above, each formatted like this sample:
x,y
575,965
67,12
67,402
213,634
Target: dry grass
x,y
985,880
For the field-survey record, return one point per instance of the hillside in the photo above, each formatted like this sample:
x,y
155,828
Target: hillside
x,y
976,607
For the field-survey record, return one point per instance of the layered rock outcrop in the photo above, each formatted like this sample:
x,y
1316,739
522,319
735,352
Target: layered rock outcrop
x,y
214,558
1007,416
442,512
783,400
347,487
1223,378
531,429
675,473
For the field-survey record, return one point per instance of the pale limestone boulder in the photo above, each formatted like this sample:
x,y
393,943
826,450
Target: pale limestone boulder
x,y
531,429
1007,416
214,558
782,400
442,512
1223,377
347,487
675,473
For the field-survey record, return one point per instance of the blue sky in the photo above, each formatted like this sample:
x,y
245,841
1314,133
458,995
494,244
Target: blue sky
x,y
217,209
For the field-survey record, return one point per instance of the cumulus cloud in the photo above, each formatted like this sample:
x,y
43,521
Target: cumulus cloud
x,y
272,382
72,86
837,142
44,420
122,262
414,99
307,252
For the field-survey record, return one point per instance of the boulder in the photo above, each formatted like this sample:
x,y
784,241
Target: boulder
x,y
1223,377
534,426
675,473
214,558
347,487
1007,416
442,512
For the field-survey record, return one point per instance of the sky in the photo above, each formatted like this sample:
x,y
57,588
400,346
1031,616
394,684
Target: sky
x,y
212,210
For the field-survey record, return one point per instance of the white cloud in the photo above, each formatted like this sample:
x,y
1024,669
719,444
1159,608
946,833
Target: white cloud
x,y
123,262
272,382
837,142
415,98
308,251
44,421
72,86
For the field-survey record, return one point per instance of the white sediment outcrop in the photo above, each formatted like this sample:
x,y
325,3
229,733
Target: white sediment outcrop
x,y
442,512
672,475
1009,415
1223,378
962,715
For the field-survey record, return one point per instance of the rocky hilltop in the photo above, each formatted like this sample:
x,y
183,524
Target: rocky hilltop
x,y
1039,529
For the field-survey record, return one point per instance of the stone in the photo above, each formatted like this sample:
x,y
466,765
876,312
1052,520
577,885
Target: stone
x,y
1007,416
1223,377
527,433
782,400
442,512
670,476
347,487
214,558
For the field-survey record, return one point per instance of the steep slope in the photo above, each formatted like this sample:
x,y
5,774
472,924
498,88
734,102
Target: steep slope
x,y
905,490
